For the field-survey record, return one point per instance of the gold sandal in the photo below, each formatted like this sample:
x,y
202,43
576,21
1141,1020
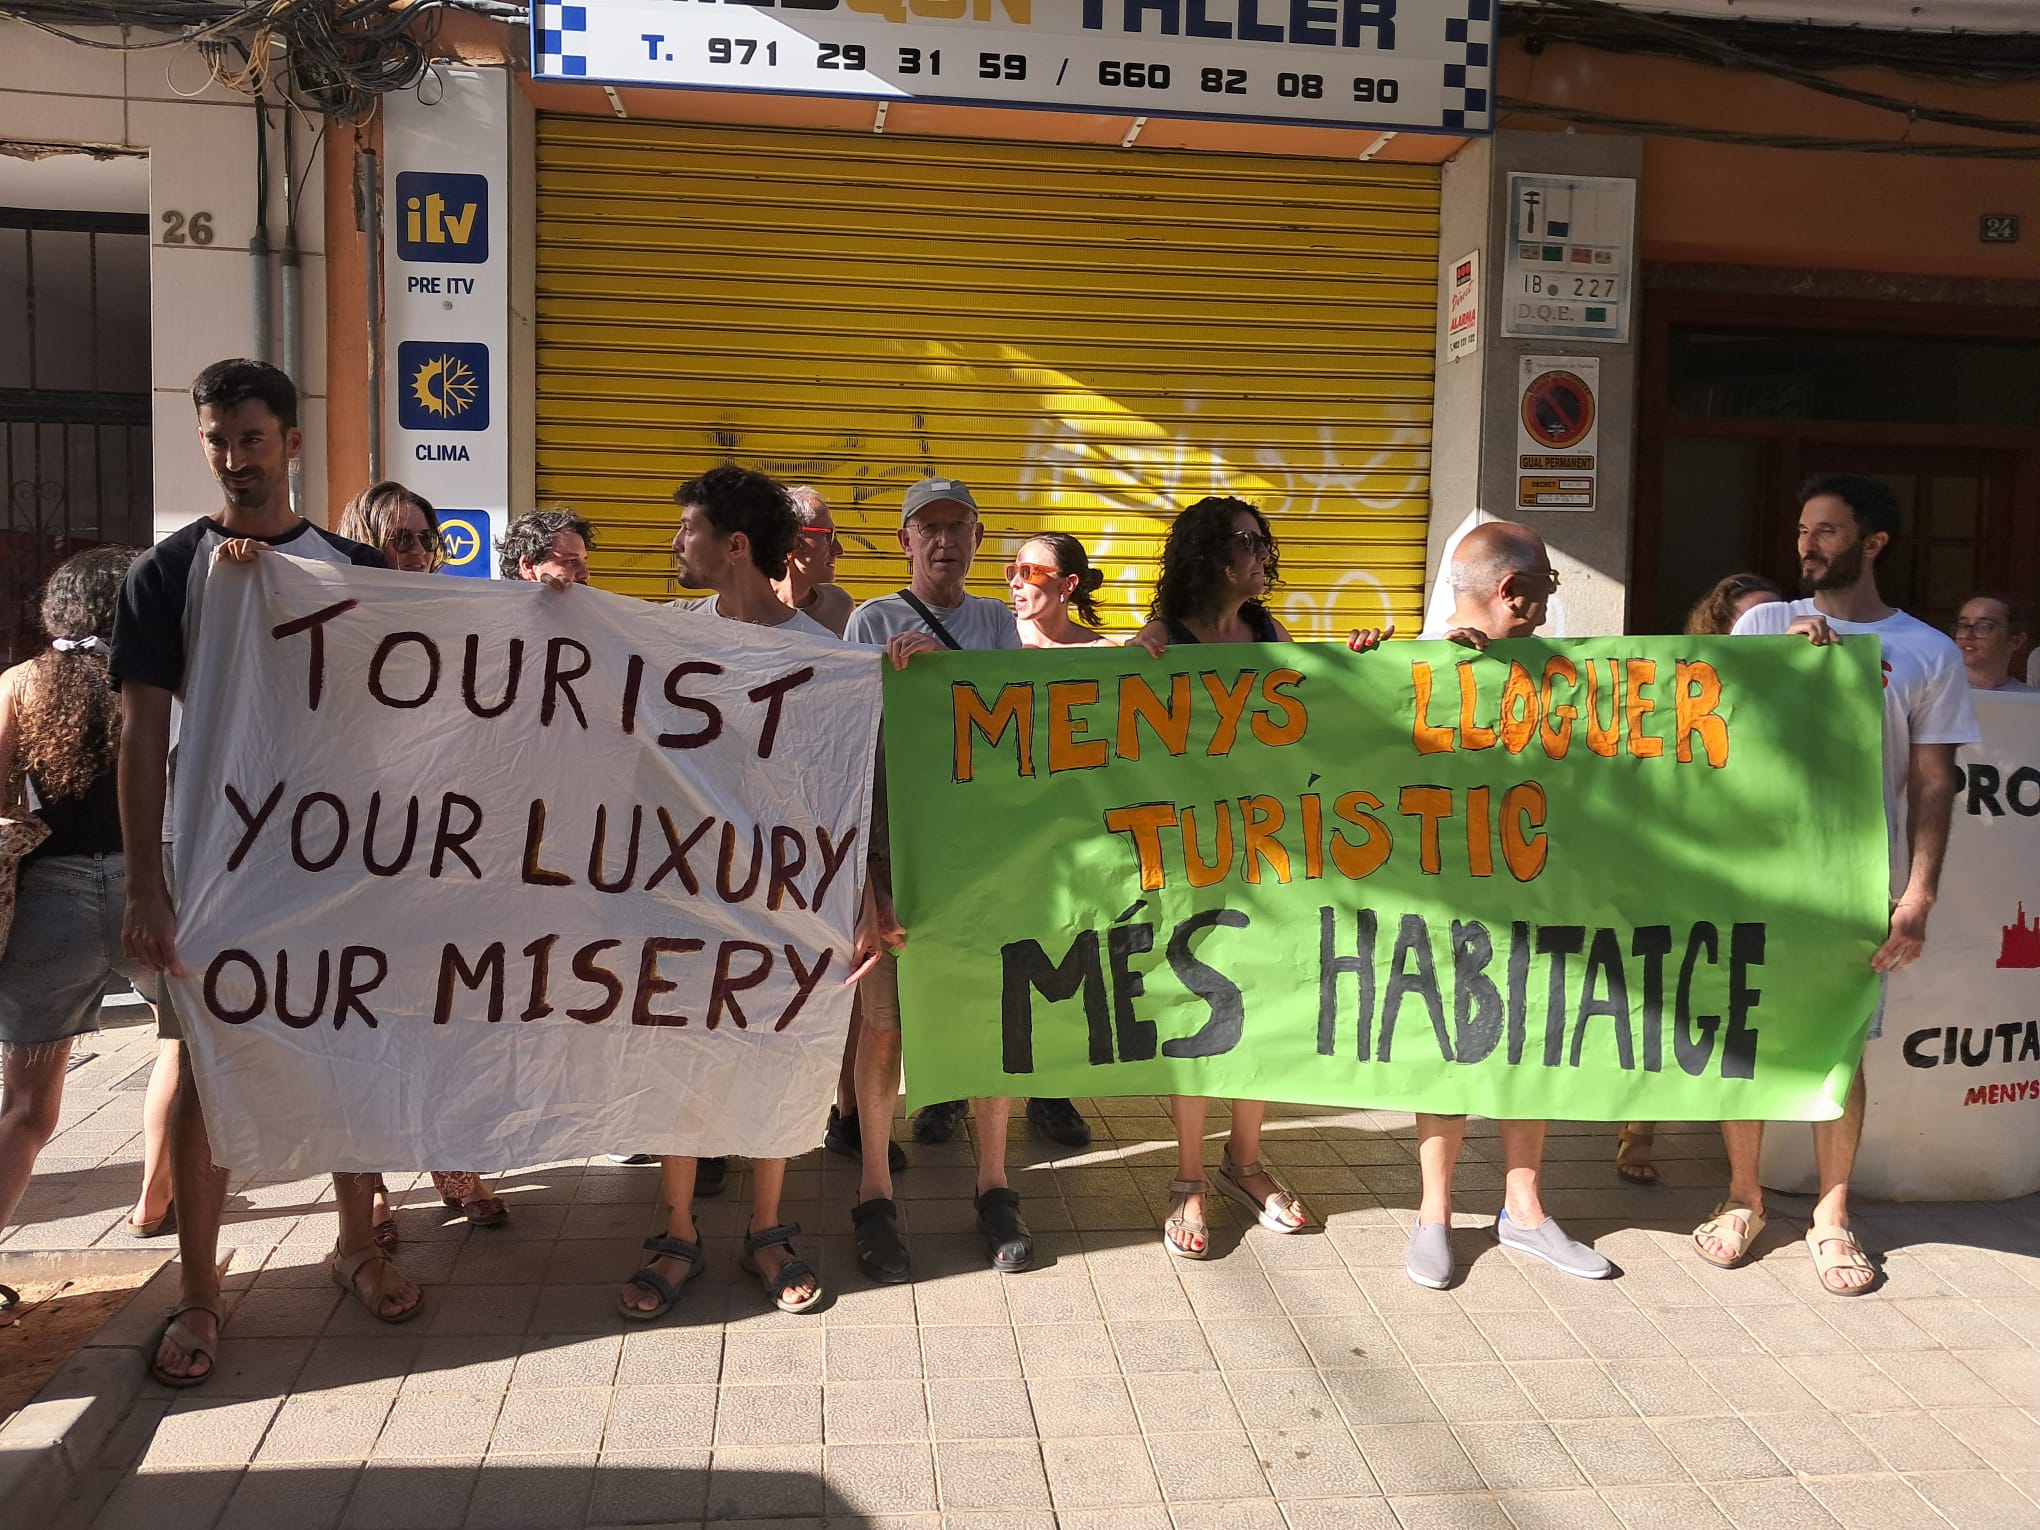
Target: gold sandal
x,y
1179,1225
1268,1212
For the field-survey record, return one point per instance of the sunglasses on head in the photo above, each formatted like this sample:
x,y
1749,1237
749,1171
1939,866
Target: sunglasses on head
x,y
404,540
825,539
1040,575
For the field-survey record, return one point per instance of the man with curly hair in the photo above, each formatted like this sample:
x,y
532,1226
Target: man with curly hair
x,y
548,547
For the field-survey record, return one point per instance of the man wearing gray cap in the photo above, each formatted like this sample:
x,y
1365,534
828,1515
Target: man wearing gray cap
x,y
940,534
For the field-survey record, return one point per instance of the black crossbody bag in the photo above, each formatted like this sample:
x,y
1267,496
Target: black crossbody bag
x,y
934,622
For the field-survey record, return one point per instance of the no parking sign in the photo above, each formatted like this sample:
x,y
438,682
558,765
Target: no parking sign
x,y
466,543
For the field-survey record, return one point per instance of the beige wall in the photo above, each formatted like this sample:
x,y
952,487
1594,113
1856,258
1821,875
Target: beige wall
x,y
200,141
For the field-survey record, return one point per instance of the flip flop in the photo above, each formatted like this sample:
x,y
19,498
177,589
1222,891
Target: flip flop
x,y
1852,1257
776,1286
187,1338
344,1267
1180,1192
1268,1211
1736,1236
667,1291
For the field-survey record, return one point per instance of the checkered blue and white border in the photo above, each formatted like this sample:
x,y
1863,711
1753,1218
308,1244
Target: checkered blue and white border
x,y
553,22
1468,108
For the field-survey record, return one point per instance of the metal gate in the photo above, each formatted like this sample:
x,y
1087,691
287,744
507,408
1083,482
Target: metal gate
x,y
75,463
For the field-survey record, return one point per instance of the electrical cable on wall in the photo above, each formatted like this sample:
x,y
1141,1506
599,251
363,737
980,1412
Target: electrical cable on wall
x,y
336,59
1796,53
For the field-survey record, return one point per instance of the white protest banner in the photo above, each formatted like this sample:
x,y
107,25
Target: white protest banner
x,y
1954,1081
473,875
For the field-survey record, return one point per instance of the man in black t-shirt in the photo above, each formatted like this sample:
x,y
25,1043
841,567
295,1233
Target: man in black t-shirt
x,y
247,420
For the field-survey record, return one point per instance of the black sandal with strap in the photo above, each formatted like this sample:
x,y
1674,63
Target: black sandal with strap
x,y
1007,1240
881,1252
790,1273
668,1292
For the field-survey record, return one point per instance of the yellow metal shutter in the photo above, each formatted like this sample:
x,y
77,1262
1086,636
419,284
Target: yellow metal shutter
x,y
1091,339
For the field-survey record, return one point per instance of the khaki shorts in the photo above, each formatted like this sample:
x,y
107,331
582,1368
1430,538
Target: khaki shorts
x,y
878,994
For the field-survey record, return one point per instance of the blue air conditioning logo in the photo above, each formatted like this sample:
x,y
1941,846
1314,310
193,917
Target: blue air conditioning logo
x,y
443,385
464,543
442,218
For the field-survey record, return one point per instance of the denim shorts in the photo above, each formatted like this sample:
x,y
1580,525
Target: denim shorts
x,y
64,946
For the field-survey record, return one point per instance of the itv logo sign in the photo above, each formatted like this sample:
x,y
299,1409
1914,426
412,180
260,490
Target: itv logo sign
x,y
442,218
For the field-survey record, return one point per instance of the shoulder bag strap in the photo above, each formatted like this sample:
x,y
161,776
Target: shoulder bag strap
x,y
934,622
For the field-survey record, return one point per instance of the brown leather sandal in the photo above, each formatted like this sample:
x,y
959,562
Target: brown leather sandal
x,y
466,1193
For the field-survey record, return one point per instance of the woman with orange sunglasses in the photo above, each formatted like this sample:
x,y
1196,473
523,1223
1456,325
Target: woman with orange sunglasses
x,y
1050,578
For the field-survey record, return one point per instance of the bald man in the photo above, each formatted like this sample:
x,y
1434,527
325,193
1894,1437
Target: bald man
x,y
1502,581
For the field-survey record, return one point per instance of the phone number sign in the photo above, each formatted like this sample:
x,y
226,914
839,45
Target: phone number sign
x,y
1401,65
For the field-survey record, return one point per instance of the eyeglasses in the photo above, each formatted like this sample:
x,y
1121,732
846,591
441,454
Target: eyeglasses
x,y
1983,626
1258,544
1040,575
825,540
1548,575
930,531
404,540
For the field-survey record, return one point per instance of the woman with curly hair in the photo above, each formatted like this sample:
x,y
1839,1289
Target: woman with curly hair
x,y
1219,563
404,528
1717,610
1054,585
60,736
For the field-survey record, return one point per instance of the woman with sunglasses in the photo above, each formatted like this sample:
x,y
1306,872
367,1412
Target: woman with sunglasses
x,y
404,528
1218,565
809,582
1050,578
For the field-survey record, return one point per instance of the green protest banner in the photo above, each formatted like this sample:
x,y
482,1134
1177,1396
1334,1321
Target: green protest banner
x,y
1612,879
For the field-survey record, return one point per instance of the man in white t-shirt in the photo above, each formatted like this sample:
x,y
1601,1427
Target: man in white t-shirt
x,y
940,533
1845,523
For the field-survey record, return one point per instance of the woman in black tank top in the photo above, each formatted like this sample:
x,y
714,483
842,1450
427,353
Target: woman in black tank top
x,y
59,735
1219,563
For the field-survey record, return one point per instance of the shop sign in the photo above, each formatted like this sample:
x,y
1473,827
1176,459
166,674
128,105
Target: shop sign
x,y
446,303
1558,427
1568,266
1462,307
1401,65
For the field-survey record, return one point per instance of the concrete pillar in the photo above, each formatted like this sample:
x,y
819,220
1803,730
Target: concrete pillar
x,y
1475,449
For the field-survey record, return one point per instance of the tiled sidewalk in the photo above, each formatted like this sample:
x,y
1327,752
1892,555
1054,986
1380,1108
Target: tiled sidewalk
x,y
1290,1382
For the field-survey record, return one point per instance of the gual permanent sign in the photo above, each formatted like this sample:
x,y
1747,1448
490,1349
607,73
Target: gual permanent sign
x,y
1407,65
1608,880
